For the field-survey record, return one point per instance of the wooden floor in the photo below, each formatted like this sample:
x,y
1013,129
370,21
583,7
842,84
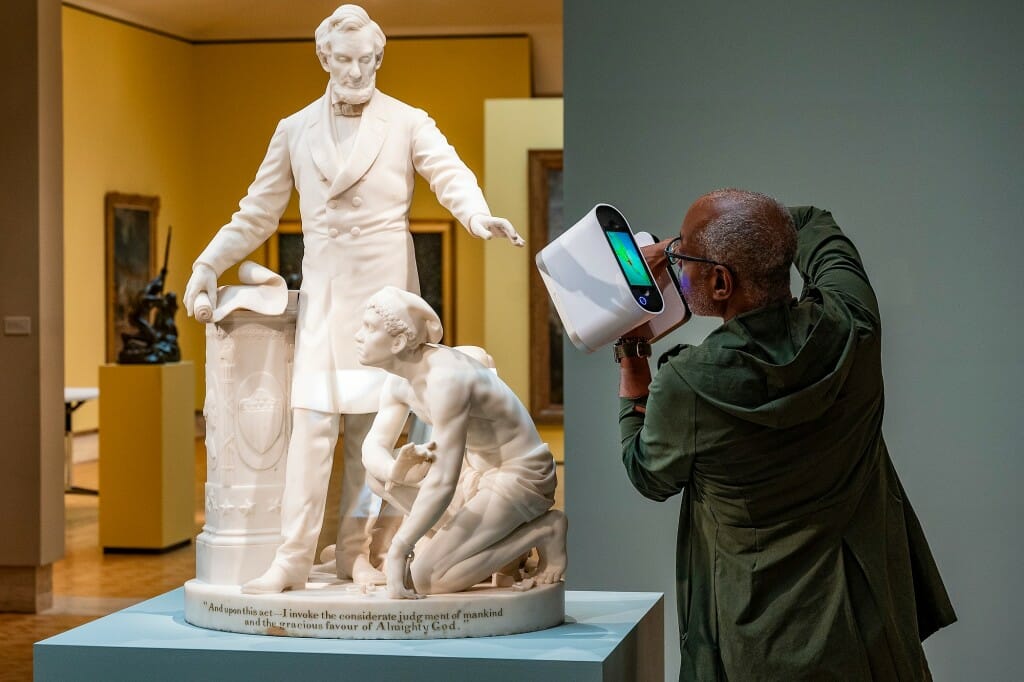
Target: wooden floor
x,y
87,583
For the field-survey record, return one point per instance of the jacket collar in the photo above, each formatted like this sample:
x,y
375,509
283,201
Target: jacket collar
x,y
369,140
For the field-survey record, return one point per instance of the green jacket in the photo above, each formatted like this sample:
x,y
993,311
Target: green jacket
x,y
799,556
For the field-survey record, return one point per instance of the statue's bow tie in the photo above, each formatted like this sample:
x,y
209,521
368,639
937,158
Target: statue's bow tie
x,y
346,109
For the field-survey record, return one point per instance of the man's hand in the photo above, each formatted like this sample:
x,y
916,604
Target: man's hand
x,y
654,254
412,463
485,227
203,280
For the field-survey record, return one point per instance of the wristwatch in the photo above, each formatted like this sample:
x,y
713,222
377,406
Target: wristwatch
x,y
631,347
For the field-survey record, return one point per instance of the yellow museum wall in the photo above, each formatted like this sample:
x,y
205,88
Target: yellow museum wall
x,y
241,92
244,89
190,123
513,127
128,127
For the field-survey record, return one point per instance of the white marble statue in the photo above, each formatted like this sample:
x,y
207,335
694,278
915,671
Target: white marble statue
x,y
248,365
352,155
479,494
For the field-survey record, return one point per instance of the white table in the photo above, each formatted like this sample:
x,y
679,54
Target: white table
x,y
74,397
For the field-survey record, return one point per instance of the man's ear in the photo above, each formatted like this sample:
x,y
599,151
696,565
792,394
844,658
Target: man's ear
x,y
323,61
380,58
399,343
722,286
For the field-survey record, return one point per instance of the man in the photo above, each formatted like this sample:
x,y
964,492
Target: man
x,y
507,489
799,555
351,155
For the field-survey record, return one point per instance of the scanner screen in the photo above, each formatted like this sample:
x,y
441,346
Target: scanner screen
x,y
629,258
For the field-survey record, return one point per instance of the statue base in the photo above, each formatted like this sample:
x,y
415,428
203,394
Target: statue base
x,y
344,611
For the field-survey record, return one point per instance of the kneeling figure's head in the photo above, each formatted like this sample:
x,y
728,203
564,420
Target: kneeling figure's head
x,y
395,321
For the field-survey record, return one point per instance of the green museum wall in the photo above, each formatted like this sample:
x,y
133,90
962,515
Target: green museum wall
x,y
904,119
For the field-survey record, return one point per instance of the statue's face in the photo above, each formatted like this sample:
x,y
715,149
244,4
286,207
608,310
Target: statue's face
x,y
374,345
352,63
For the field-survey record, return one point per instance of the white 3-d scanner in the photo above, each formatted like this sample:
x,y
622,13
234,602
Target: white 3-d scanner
x,y
600,284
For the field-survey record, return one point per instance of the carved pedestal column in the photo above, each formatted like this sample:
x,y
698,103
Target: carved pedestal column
x,y
248,423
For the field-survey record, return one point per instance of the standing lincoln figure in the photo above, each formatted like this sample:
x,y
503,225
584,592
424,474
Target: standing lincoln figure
x,y
352,155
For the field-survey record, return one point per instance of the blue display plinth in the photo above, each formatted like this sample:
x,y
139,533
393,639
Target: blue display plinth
x,y
607,636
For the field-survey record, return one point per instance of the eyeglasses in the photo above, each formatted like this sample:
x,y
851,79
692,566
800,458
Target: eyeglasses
x,y
676,259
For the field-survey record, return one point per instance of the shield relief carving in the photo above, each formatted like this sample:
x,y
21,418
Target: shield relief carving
x,y
260,419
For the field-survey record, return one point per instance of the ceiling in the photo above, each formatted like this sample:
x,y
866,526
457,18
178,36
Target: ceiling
x,y
199,20
218,20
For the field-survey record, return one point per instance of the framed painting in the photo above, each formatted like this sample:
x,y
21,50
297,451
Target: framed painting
x,y
284,252
546,223
433,242
435,262
131,253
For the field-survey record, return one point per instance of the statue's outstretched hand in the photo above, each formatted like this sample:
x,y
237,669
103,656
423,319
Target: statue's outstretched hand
x,y
412,463
486,226
203,280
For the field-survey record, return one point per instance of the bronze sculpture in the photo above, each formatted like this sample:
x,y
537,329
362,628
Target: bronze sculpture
x,y
155,339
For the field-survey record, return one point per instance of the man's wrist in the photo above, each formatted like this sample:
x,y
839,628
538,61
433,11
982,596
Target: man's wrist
x,y
634,370
631,347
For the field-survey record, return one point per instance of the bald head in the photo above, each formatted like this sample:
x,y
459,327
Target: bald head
x,y
750,232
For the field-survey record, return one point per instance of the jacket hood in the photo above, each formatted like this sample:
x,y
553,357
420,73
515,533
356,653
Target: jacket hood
x,y
776,366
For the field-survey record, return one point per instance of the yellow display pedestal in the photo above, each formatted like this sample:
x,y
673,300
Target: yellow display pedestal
x,y
147,456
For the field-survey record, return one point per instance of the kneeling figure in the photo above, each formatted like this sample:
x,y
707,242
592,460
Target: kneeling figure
x,y
485,456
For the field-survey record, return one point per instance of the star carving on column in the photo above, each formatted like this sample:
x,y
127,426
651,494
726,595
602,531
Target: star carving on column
x,y
246,507
275,505
226,507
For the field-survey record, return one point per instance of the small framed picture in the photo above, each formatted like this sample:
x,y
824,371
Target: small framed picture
x,y
131,236
434,243
546,224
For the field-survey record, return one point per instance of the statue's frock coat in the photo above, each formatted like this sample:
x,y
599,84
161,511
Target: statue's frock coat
x,y
355,231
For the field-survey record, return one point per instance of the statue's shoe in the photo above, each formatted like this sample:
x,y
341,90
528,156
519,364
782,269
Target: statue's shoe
x,y
276,579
